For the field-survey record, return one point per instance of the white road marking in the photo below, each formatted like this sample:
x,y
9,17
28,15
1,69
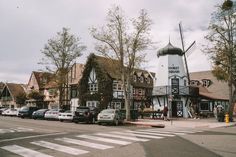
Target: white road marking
x,y
85,143
25,152
2,131
165,132
104,139
61,148
123,137
22,129
27,137
151,133
137,135
18,129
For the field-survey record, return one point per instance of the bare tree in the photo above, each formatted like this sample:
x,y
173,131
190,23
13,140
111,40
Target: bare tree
x,y
126,42
59,54
221,36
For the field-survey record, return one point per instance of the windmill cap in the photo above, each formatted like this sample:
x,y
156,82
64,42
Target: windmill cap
x,y
169,50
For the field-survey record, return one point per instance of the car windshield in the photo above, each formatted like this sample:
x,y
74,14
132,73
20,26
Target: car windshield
x,y
41,110
108,111
81,109
25,108
68,111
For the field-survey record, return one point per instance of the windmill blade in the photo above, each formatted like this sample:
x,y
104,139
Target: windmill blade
x,y
190,49
181,36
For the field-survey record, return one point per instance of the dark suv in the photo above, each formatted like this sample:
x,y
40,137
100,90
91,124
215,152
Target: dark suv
x,y
26,111
85,114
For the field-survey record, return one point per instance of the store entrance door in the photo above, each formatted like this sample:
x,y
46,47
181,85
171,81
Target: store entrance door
x,y
177,108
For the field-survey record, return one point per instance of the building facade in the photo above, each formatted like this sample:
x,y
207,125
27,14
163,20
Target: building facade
x,y
101,85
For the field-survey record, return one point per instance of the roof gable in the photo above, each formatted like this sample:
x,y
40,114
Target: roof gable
x,y
15,89
39,79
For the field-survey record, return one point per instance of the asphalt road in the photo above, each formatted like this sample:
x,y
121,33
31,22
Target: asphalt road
x,y
41,138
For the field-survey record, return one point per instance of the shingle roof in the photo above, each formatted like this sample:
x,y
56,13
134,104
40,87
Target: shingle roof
x,y
111,66
217,90
15,89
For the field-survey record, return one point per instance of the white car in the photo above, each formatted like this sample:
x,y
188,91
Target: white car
x,y
67,115
111,116
53,114
10,112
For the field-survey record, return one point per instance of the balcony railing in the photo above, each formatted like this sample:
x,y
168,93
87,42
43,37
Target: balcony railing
x,y
183,90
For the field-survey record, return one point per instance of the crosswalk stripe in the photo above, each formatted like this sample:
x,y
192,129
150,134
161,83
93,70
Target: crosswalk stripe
x,y
58,147
165,132
85,143
137,135
25,152
123,137
104,139
22,129
180,131
152,133
2,131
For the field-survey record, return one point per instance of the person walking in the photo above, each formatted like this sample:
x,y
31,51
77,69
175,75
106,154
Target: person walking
x,y
165,111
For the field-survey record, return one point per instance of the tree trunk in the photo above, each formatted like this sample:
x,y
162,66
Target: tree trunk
x,y
128,98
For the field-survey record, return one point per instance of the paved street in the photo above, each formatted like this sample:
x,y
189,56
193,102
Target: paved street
x,y
40,138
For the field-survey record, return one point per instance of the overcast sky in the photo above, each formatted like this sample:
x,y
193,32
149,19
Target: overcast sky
x,y
26,25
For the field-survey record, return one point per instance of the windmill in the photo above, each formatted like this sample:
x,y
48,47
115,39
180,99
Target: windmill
x,y
187,51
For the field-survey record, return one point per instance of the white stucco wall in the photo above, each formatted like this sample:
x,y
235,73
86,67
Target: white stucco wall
x,y
170,66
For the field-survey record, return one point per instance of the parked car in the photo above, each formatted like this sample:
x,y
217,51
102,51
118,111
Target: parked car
x,y
39,114
10,112
2,109
110,116
53,114
26,111
85,114
67,115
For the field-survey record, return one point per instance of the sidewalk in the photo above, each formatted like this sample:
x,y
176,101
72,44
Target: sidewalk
x,y
183,123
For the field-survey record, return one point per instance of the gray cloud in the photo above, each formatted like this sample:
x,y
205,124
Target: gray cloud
x,y
26,25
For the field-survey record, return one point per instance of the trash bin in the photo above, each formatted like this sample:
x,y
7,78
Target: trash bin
x,y
134,114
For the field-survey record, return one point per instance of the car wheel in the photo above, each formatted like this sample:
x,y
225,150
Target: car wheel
x,y
116,122
61,120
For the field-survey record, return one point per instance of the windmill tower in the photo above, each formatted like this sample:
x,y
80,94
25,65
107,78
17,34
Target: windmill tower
x,y
172,83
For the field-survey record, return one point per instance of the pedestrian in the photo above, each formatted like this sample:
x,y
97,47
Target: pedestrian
x,y
215,111
165,111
